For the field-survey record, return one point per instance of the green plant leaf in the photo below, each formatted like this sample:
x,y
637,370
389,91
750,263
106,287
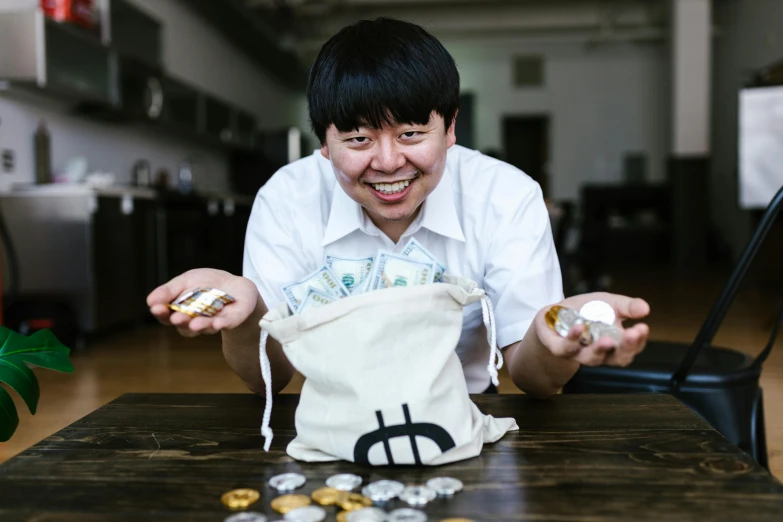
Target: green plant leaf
x,y
9,419
22,379
16,352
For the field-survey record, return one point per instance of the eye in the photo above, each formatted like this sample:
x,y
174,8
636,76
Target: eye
x,y
358,140
410,134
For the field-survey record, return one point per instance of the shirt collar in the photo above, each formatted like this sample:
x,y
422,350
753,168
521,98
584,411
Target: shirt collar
x,y
439,213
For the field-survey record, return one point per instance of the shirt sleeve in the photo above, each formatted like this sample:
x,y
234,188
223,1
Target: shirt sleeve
x,y
273,254
522,270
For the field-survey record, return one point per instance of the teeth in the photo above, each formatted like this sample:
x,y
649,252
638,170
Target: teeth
x,y
391,188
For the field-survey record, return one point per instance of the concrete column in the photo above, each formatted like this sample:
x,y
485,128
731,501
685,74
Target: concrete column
x,y
691,44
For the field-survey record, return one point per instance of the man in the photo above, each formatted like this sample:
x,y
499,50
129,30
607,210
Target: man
x,y
383,100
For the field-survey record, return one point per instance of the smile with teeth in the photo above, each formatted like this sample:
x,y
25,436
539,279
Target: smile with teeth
x,y
391,188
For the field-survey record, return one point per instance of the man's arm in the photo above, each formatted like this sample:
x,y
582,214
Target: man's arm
x,y
241,351
543,362
534,369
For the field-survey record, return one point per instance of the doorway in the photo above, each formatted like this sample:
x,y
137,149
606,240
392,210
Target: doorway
x,y
526,146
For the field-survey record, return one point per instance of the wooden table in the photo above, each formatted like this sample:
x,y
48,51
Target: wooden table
x,y
575,458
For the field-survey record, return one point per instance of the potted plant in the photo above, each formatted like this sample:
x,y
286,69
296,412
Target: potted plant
x,y
17,352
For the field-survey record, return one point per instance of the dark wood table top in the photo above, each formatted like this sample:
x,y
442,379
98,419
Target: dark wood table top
x,y
575,458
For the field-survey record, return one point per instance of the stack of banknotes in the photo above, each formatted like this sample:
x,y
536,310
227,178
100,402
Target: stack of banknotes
x,y
343,277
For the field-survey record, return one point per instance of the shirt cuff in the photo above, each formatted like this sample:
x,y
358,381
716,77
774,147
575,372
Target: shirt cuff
x,y
513,333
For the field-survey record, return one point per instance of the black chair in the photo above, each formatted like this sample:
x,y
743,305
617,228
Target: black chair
x,y
720,384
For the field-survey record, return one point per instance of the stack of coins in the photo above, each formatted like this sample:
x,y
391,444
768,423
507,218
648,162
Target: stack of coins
x,y
201,301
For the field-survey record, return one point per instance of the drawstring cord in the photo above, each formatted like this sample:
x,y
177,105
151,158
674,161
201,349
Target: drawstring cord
x,y
266,373
495,357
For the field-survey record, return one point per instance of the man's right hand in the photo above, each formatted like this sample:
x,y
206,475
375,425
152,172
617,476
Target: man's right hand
x,y
229,317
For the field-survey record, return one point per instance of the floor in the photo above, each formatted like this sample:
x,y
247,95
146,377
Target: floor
x,y
154,359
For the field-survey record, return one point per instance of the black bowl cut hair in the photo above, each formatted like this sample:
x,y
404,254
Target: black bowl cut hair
x,y
378,72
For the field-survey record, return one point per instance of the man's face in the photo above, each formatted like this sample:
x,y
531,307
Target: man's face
x,y
390,171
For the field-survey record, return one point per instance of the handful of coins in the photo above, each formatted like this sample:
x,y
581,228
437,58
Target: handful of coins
x,y
338,492
597,316
201,301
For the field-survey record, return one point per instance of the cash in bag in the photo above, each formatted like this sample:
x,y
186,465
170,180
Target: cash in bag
x,y
384,385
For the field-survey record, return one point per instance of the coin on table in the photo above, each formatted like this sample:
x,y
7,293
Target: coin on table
x,y
600,311
344,481
418,495
383,490
445,486
326,496
306,514
370,514
353,501
407,515
286,503
247,516
240,498
287,481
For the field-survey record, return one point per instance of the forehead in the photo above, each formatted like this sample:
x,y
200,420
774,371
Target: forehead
x,y
435,120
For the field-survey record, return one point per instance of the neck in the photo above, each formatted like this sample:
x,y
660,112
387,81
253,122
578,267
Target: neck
x,y
394,229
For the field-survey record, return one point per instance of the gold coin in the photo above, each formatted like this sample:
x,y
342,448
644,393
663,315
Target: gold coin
x,y
286,503
240,498
353,501
327,496
342,516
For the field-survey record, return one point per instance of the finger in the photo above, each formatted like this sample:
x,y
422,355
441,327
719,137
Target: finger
x,y
185,331
161,313
230,318
179,319
590,356
630,307
635,338
620,358
169,291
202,325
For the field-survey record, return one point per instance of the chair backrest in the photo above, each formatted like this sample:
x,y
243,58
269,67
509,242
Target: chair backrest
x,y
721,306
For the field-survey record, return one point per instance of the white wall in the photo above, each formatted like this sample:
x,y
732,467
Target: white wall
x,y
750,36
603,101
193,52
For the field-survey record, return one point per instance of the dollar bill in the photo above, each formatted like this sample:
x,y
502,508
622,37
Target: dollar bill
x,y
416,251
315,299
322,280
391,270
352,272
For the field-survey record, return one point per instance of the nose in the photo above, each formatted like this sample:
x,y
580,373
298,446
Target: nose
x,y
388,157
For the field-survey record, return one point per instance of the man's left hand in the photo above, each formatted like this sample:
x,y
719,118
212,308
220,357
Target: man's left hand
x,y
605,350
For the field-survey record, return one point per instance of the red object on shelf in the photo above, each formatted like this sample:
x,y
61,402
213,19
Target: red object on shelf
x,y
81,12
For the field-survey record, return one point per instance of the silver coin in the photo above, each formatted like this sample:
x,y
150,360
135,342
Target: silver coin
x,y
344,481
445,486
567,319
407,515
600,311
598,330
306,514
383,490
418,495
370,514
247,516
287,481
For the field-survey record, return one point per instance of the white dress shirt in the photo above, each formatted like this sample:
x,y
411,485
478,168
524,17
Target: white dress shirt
x,y
486,220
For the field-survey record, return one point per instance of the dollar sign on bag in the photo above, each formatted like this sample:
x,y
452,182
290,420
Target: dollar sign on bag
x,y
438,435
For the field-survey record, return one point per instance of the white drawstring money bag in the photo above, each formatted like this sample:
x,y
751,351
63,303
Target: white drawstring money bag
x,y
383,382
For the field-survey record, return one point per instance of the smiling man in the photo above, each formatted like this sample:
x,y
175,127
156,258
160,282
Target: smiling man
x,y
383,100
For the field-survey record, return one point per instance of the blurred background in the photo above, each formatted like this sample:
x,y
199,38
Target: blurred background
x,y
134,135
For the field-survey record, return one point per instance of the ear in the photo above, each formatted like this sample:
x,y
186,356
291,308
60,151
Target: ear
x,y
451,132
325,150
